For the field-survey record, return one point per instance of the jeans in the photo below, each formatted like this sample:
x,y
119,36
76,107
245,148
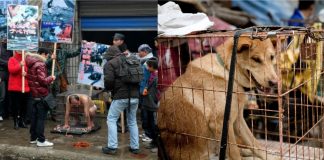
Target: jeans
x,y
116,107
38,117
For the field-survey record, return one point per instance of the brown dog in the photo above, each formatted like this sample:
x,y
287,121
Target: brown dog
x,y
191,111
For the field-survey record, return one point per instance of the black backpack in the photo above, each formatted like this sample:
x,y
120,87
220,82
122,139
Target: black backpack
x,y
131,71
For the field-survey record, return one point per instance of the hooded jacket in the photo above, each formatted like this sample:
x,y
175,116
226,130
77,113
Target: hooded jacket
x,y
111,53
15,74
37,75
114,83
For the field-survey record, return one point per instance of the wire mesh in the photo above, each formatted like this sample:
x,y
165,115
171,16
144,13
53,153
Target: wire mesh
x,y
277,104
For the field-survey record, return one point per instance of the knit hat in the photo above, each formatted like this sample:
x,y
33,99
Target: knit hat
x,y
119,36
145,47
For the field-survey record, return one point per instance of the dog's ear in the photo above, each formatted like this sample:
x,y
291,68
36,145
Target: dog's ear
x,y
243,47
274,42
244,44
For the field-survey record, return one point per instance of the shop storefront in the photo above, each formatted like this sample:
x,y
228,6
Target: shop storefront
x,y
137,20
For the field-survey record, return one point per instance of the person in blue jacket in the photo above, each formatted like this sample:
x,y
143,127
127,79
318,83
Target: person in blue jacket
x,y
302,13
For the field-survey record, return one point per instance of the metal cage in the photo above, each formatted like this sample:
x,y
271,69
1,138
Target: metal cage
x,y
285,117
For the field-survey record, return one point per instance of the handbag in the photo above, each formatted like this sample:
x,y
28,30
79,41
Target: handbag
x,y
50,101
63,81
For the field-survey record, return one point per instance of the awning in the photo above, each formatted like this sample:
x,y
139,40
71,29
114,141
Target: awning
x,y
119,23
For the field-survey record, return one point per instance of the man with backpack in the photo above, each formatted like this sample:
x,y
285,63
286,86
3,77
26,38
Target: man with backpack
x,y
122,76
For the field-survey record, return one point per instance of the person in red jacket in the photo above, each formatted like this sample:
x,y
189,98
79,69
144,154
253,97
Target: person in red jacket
x,y
18,99
38,82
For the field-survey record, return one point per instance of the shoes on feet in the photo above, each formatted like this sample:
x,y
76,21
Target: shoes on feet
x,y
44,144
134,151
33,141
142,135
21,123
107,150
146,139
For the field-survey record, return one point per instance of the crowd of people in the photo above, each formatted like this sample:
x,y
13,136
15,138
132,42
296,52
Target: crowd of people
x,y
29,79
127,97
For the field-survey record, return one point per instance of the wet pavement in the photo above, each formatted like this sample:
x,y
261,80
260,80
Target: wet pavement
x,y
14,144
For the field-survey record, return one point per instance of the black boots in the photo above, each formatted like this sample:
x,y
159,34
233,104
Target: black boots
x,y
19,123
16,123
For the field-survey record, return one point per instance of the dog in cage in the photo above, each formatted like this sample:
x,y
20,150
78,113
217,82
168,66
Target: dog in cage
x,y
191,111
302,107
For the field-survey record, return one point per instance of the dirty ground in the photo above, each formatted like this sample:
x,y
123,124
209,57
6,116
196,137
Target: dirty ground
x,y
14,145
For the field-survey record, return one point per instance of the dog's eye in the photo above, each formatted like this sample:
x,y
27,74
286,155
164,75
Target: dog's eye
x,y
272,57
257,59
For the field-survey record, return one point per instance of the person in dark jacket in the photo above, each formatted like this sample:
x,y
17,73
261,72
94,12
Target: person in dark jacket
x,y
16,72
110,54
4,75
302,13
62,54
120,94
38,82
144,54
150,96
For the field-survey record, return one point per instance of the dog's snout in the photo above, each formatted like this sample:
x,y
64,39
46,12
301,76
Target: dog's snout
x,y
273,83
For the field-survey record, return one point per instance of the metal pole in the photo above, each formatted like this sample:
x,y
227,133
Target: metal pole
x,y
222,151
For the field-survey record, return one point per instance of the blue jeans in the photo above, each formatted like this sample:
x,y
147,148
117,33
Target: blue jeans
x,y
116,107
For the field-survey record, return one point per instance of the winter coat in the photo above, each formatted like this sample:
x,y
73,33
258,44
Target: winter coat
x,y
146,76
61,56
4,57
15,74
111,53
37,75
119,89
150,101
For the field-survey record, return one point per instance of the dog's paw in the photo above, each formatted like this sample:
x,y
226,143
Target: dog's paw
x,y
246,152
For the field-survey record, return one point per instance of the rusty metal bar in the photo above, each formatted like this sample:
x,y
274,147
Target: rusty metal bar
x,y
280,98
